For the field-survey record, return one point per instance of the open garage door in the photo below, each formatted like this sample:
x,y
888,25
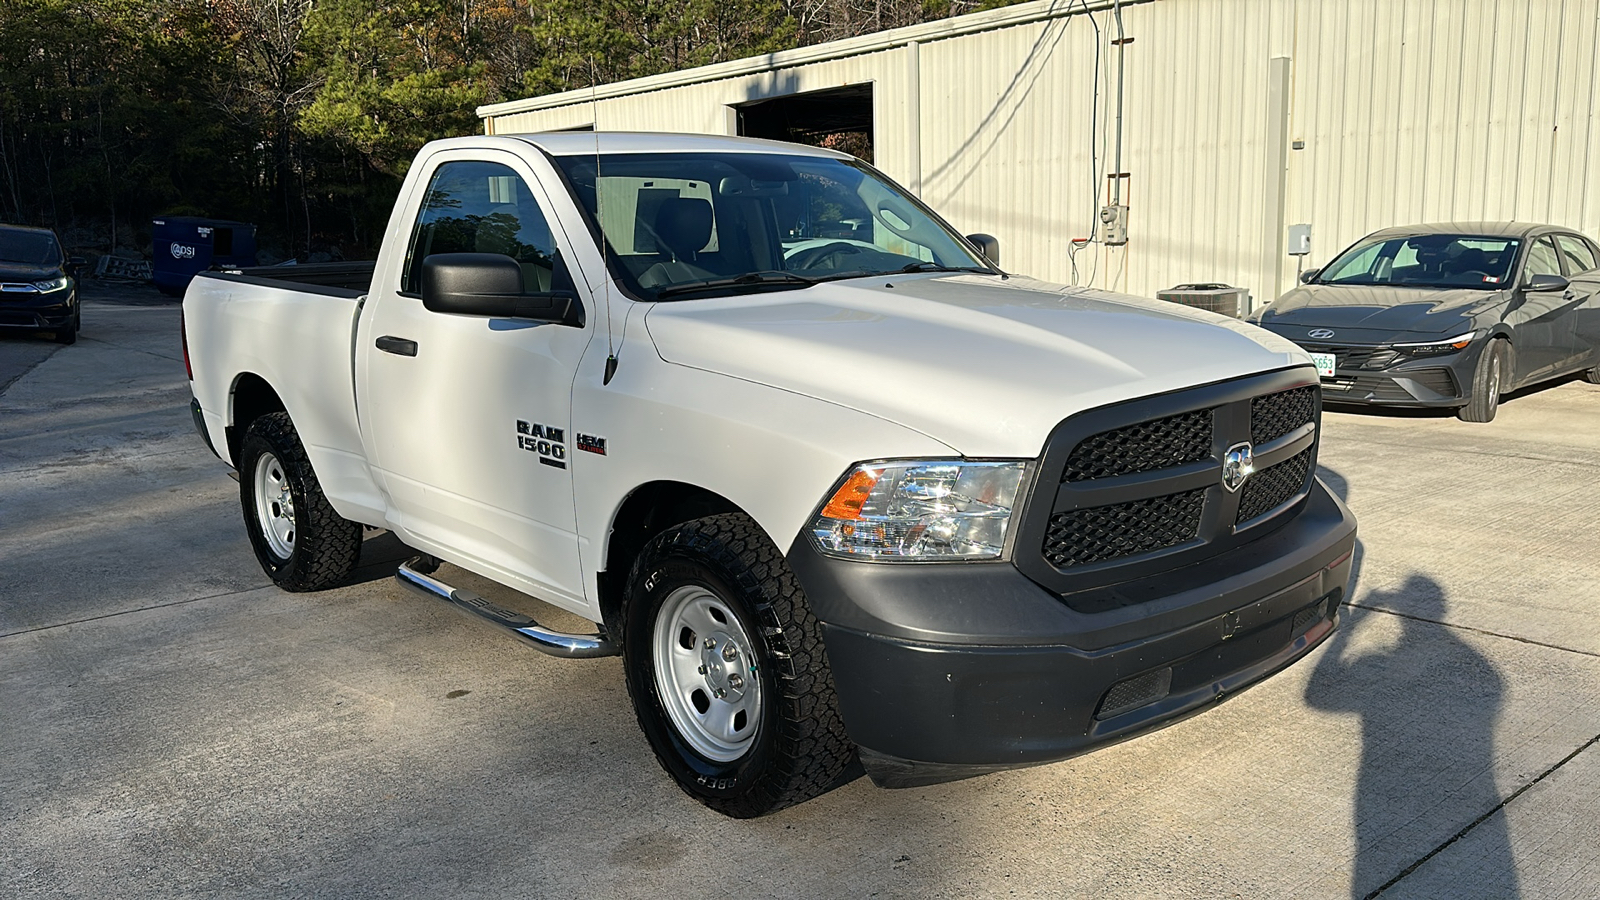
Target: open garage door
x,y
838,118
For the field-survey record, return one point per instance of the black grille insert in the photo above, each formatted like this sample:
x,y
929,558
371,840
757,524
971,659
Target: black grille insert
x,y
1271,488
1082,536
1274,415
1142,447
1133,693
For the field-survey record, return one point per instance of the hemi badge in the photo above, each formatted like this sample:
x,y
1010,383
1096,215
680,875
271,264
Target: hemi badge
x,y
591,443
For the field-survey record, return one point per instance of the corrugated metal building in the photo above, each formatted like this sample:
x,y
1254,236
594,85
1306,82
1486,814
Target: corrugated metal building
x,y
1239,119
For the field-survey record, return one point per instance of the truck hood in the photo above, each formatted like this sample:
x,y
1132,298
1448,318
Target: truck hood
x,y
985,366
1396,309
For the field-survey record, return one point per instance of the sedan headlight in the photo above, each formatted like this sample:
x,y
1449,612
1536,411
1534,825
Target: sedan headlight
x,y
54,284
1438,348
920,510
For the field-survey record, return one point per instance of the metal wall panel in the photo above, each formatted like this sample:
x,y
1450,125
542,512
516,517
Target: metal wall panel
x,y
1408,111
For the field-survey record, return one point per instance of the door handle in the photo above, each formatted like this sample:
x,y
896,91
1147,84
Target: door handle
x,y
397,346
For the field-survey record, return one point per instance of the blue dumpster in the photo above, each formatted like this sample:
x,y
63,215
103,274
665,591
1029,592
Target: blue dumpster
x,y
184,245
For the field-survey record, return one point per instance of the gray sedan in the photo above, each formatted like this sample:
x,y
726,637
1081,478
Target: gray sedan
x,y
1448,315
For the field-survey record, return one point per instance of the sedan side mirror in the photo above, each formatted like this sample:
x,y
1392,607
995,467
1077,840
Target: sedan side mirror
x,y
491,284
988,245
1546,283
1309,275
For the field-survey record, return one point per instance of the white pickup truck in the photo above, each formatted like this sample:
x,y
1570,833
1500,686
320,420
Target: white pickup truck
x,y
841,492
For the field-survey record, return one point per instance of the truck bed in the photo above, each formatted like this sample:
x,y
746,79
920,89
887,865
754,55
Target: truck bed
x,y
289,329
335,279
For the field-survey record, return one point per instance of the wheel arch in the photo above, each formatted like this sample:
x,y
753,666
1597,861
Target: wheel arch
x,y
249,398
648,510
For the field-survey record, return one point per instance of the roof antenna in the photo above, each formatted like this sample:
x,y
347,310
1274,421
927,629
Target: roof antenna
x,y
599,210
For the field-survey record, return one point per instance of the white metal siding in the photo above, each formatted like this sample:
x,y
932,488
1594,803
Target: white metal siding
x,y
1409,110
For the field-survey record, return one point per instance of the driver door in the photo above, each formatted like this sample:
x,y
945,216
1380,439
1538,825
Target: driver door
x,y
467,417
1539,320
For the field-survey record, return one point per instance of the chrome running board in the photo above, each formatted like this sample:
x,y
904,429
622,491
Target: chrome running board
x,y
555,643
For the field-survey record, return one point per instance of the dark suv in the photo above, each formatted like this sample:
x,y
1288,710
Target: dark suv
x,y
38,283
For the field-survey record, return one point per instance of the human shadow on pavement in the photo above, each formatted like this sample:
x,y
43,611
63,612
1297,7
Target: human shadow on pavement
x,y
1428,704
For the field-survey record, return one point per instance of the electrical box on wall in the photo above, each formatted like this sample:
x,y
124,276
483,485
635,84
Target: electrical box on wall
x,y
1299,240
1114,225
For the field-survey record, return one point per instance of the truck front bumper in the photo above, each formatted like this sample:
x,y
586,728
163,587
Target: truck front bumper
x,y
946,671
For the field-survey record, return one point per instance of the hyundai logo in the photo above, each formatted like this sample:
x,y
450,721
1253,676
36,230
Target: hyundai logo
x,y
1320,333
1238,465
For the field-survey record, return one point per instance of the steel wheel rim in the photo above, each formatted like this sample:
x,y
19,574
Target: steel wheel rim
x,y
705,673
274,505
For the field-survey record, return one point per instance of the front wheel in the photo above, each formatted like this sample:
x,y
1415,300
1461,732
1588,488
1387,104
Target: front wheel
x,y
726,669
301,543
1592,375
69,334
1488,379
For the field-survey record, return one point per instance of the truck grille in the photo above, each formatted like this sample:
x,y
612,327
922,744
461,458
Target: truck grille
x,y
1269,489
1100,533
1142,481
1142,447
1275,415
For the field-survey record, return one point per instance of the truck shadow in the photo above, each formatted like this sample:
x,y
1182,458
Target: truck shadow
x,y
1428,704
381,554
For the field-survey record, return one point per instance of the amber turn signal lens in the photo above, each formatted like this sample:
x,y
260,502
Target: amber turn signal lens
x,y
847,501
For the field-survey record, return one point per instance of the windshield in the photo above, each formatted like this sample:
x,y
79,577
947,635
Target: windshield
x,y
1426,260
33,248
680,225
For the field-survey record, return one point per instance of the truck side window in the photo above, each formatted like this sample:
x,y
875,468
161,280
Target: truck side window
x,y
485,207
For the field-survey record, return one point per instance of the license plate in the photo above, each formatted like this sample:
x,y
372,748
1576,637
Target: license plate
x,y
1324,363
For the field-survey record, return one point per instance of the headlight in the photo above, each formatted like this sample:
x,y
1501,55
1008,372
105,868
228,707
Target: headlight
x,y
1438,348
920,510
54,284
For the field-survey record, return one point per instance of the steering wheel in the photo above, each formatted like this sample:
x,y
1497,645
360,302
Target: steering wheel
x,y
809,257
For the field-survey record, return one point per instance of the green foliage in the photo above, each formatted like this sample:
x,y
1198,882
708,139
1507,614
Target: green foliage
x,y
392,78
302,115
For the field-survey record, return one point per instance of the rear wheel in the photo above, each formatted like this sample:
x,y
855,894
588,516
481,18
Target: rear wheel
x,y
301,543
1488,380
726,669
1592,375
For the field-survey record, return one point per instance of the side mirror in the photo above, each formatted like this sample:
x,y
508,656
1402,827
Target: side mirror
x,y
76,265
1546,283
1309,275
490,284
988,245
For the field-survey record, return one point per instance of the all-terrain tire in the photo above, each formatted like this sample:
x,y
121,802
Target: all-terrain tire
x,y
798,748
322,547
1488,382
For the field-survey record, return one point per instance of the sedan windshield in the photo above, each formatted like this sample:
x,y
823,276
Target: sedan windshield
x,y
683,225
1426,260
33,248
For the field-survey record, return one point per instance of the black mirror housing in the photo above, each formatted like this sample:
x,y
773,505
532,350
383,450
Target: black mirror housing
x,y
490,284
988,245
1546,283
1309,275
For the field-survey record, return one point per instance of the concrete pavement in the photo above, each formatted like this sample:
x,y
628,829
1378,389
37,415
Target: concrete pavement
x,y
172,725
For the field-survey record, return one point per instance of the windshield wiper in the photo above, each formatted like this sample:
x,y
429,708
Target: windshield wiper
x,y
748,278
937,267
